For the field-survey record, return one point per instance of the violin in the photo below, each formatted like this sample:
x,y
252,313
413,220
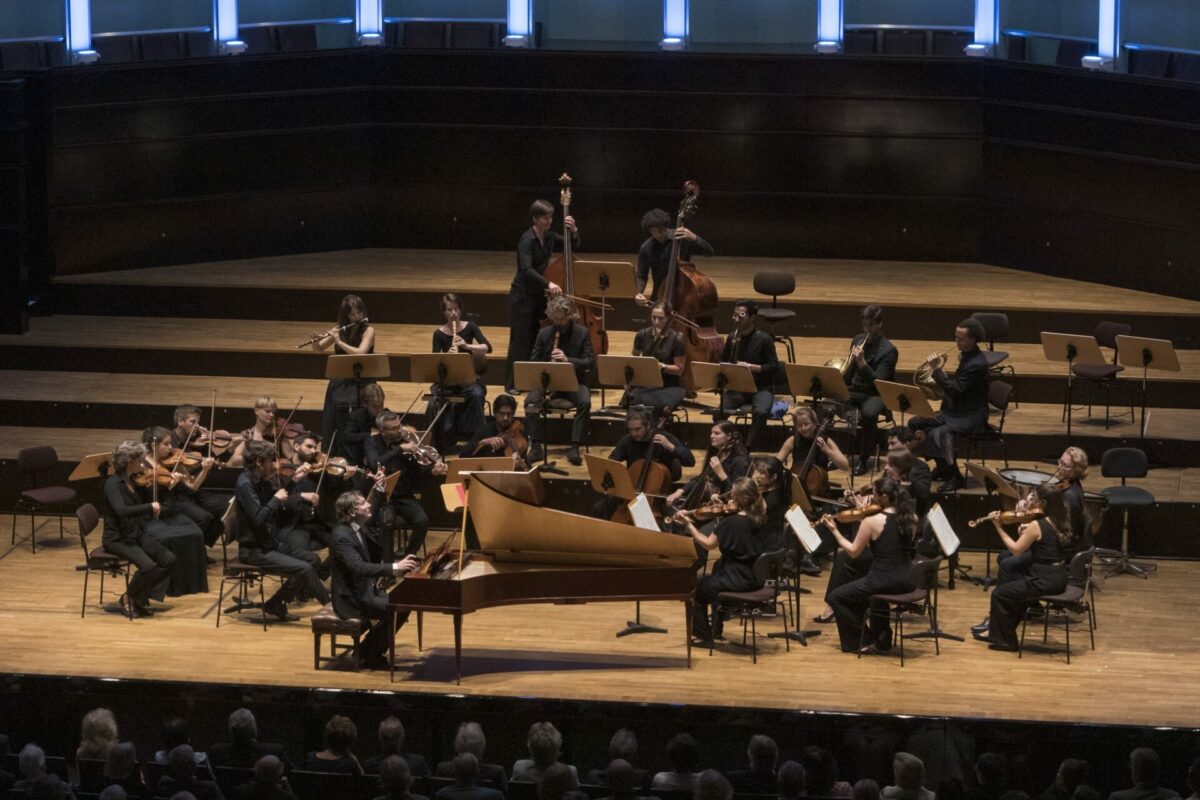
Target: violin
x,y
178,457
336,466
857,514
1009,517
280,429
723,506
159,476
220,441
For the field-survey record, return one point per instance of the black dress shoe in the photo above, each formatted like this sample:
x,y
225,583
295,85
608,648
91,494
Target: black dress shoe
x,y
983,626
279,611
807,566
981,635
952,484
574,457
824,620
143,610
1007,648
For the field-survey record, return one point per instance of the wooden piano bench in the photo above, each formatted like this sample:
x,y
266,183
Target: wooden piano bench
x,y
327,623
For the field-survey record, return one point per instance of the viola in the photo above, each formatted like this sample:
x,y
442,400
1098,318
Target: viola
x,y
159,475
561,271
859,513
186,460
221,441
336,466
691,297
1009,517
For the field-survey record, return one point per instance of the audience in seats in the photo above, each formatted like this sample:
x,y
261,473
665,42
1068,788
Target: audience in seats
x,y
396,779
545,744
466,775
760,778
622,746
391,743
866,789
683,758
177,731
243,748
470,739
121,769
182,776
340,735
559,782
622,780
790,781
821,774
269,782
909,775
711,785
1145,769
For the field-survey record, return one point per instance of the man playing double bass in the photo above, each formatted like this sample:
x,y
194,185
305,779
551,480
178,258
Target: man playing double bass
x,y
654,256
527,295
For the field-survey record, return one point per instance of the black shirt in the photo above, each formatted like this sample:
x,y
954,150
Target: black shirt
x,y
472,447
756,348
668,348
675,457
377,451
880,355
654,259
735,465
740,545
257,509
576,344
532,259
126,513
471,334
357,431
800,450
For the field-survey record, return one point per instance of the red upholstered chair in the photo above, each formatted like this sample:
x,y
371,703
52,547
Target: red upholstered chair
x,y
36,463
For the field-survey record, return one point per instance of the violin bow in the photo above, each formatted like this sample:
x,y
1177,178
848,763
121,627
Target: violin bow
x,y
182,450
332,439
286,422
212,422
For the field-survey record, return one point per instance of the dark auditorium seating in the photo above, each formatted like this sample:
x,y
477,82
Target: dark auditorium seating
x,y
259,39
21,55
425,35
296,38
950,43
198,44
116,49
859,42
474,35
1016,48
1187,67
1151,63
903,43
161,46
1071,52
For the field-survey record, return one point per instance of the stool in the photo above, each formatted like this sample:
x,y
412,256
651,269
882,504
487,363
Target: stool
x,y
327,623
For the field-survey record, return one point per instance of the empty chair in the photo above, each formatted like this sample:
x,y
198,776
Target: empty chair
x,y
1187,67
1071,52
1125,463
1151,63
426,35
161,47
1000,395
473,35
296,38
116,49
995,328
950,43
36,464
903,43
859,42
776,283
259,39
21,56
1104,376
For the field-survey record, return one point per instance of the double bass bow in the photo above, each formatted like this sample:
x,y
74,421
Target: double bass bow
x,y
691,298
561,271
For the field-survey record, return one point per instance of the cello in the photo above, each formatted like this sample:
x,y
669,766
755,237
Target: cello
x,y
691,299
654,477
561,272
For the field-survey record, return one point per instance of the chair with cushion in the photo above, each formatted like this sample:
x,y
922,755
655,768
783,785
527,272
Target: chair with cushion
x,y
923,576
1000,395
1076,597
326,622
761,603
37,464
97,559
777,283
1125,463
995,328
1104,376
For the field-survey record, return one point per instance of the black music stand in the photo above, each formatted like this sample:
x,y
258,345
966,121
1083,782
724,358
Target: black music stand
x,y
722,378
810,541
549,377
1071,348
948,541
357,366
993,483
1138,351
604,279
627,371
443,370
809,380
901,398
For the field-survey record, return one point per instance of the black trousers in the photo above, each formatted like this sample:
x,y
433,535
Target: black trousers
x,y
460,420
154,564
760,406
300,575
869,409
1010,600
205,508
525,315
846,569
852,601
706,622
939,443
659,399
409,509
581,397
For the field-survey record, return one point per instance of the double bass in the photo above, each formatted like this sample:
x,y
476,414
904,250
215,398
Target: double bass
x,y
691,299
561,271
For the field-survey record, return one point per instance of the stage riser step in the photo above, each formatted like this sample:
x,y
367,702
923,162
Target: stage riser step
x,y
813,317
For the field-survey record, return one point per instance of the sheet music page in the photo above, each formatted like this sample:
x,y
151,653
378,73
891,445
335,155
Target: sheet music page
x,y
804,530
946,536
643,516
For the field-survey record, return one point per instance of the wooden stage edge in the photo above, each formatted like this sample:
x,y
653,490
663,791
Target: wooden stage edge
x,y
1146,647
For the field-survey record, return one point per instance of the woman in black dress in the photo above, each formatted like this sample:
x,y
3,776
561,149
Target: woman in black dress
x,y
738,538
125,533
887,537
353,335
662,343
1050,541
456,336
775,486
726,461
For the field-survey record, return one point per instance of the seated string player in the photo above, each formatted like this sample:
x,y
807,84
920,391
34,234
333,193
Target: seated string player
x,y
503,436
395,448
635,446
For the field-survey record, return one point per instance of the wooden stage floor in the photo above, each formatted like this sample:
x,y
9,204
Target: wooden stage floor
x,y
1142,671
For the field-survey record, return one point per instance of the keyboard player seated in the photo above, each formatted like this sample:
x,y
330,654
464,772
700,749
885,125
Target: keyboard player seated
x,y
354,551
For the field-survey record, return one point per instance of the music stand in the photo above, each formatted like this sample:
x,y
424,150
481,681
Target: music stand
x,y
723,378
902,398
456,467
809,380
443,370
610,478
993,483
357,366
1138,351
1071,348
948,541
603,279
547,377
643,371
810,541
93,466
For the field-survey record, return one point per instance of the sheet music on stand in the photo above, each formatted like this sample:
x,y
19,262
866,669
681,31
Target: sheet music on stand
x,y
805,532
643,515
947,538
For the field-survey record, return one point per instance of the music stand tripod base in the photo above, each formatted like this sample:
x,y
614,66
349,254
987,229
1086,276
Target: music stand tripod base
x,y
636,625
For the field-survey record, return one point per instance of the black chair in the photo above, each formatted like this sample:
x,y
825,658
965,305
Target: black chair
x,y
296,38
241,578
1071,52
116,49
161,47
924,576
1016,50
1077,596
198,44
97,559
306,784
1125,463
903,43
259,39
1187,67
1000,395
521,790
995,328
1150,63
761,603
777,283
858,42
473,35
1104,376
229,778
424,35
36,463
16,56
951,43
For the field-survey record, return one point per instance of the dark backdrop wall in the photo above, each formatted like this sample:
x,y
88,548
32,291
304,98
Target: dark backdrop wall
x,y
1060,172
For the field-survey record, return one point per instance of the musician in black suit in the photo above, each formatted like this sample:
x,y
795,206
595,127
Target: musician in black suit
x,y
635,446
527,295
964,406
563,340
360,424
872,357
654,256
755,349
394,449
355,568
